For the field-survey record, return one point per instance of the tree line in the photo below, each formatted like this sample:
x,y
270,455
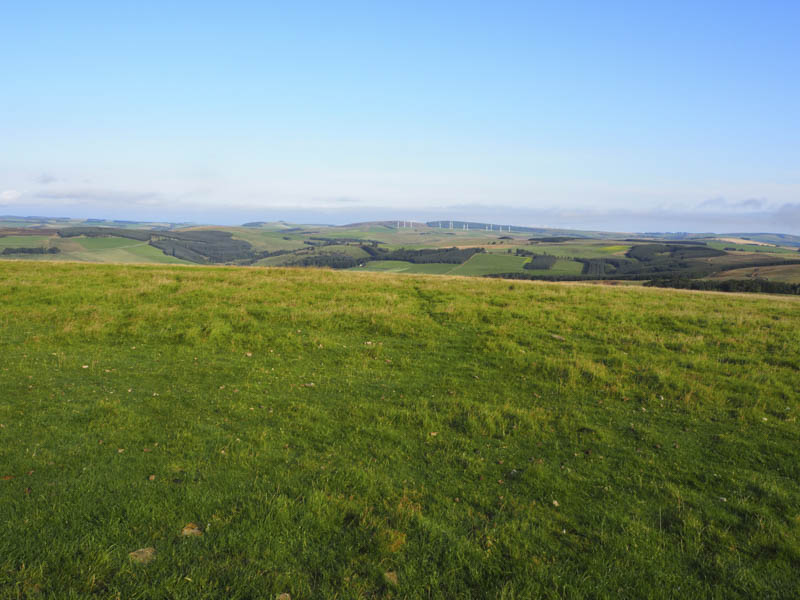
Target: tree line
x,y
52,250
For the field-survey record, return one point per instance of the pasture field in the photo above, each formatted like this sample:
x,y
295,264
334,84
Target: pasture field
x,y
476,265
269,240
99,249
24,241
562,267
785,273
402,266
366,435
751,247
581,249
105,243
487,263
112,250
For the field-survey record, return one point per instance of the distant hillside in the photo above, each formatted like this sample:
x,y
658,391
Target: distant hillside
x,y
779,239
473,249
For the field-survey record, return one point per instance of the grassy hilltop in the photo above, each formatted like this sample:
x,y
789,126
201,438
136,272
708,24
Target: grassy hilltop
x,y
363,435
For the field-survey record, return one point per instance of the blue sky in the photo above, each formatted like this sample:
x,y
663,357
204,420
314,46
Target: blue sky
x,y
634,115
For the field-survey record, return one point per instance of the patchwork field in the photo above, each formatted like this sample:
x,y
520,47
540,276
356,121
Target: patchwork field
x,y
256,432
474,249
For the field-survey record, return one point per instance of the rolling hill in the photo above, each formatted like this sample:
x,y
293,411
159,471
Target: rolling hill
x,y
472,249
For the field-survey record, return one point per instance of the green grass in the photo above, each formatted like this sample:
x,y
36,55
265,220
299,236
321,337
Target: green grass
x,y
562,267
266,239
477,438
401,266
720,245
147,253
102,249
354,251
587,249
288,260
785,273
388,266
488,263
113,252
105,243
24,241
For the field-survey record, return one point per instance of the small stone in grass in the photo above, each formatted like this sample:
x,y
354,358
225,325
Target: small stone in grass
x,y
555,503
85,367
390,577
284,596
120,450
143,555
191,529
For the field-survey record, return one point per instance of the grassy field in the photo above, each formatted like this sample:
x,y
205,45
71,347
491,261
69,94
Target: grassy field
x,y
562,267
785,273
477,265
484,264
267,239
362,435
105,243
100,249
113,250
723,245
24,241
580,249
401,266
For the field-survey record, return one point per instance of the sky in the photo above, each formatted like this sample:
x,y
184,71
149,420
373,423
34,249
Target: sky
x,y
625,116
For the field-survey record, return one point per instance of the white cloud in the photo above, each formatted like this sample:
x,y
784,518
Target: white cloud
x,y
723,203
45,178
101,196
10,195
